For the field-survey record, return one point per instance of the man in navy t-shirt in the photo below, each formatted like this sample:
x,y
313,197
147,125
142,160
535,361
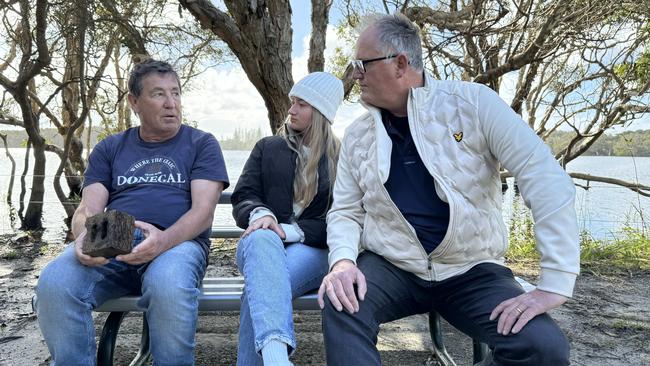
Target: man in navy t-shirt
x,y
169,177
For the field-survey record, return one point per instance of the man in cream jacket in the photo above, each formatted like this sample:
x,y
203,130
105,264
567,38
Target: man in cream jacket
x,y
416,221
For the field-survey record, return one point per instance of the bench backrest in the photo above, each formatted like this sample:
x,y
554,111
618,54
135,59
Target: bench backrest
x,y
225,232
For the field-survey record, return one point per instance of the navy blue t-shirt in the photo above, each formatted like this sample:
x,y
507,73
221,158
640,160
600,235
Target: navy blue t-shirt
x,y
151,180
412,188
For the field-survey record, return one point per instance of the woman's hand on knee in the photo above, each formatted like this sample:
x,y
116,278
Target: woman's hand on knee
x,y
265,222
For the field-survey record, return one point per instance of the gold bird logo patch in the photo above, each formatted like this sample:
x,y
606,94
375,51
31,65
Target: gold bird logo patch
x,y
458,136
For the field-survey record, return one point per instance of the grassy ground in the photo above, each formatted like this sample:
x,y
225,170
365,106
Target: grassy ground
x,y
629,253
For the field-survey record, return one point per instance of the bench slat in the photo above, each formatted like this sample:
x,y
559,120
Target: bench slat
x,y
217,294
224,294
224,198
221,232
221,301
223,280
528,287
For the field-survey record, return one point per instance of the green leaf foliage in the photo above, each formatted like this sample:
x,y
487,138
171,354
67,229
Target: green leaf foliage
x,y
628,143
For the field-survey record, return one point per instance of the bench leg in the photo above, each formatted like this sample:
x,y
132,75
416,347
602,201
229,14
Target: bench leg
x,y
436,337
143,354
106,345
481,351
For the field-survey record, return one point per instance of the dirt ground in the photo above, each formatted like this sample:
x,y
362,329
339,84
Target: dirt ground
x,y
607,321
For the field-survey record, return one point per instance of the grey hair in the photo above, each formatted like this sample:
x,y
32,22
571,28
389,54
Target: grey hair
x,y
145,68
396,33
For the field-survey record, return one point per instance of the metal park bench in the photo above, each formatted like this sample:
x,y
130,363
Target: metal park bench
x,y
224,294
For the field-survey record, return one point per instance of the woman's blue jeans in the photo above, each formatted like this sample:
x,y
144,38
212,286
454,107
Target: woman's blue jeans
x,y
68,291
273,275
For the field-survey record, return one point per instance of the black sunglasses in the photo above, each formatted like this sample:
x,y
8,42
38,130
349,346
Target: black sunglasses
x,y
360,65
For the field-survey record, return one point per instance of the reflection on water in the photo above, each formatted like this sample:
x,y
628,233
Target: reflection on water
x,y
603,210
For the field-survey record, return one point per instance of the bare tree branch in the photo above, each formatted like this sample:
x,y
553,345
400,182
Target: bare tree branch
x,y
11,121
132,37
636,187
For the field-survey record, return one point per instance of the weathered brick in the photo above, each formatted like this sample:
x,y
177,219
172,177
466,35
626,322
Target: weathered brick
x,y
109,234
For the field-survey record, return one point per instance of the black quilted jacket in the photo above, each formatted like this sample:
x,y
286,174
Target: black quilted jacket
x,y
267,181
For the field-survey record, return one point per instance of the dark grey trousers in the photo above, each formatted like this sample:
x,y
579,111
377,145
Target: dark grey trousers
x,y
465,301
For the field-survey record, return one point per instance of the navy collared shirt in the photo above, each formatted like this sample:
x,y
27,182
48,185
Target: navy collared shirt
x,y
412,188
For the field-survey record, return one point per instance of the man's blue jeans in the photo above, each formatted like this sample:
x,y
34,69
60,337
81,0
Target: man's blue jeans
x,y
273,275
67,291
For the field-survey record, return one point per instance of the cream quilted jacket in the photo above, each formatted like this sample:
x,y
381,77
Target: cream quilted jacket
x,y
462,131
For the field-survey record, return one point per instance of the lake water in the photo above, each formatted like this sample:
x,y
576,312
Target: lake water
x,y
603,210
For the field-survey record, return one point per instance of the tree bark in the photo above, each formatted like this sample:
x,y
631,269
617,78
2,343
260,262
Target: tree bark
x,y
320,10
23,184
70,95
34,212
10,188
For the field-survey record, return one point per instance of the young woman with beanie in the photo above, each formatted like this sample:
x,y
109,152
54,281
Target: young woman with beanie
x,y
281,199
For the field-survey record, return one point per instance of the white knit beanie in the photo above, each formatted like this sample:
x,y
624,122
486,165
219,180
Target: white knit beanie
x,y
322,91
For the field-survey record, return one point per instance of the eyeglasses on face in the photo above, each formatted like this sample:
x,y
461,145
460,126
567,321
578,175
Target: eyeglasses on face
x,y
360,65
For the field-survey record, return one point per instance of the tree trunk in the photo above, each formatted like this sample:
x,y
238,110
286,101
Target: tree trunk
x,y
32,62
23,184
34,212
123,115
70,96
259,34
319,18
10,188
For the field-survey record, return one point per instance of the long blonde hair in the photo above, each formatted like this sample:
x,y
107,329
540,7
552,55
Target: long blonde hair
x,y
321,140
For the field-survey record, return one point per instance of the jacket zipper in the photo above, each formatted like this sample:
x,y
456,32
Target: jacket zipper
x,y
451,232
411,231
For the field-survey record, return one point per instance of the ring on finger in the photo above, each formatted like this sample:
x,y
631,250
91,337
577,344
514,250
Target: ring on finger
x,y
519,310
